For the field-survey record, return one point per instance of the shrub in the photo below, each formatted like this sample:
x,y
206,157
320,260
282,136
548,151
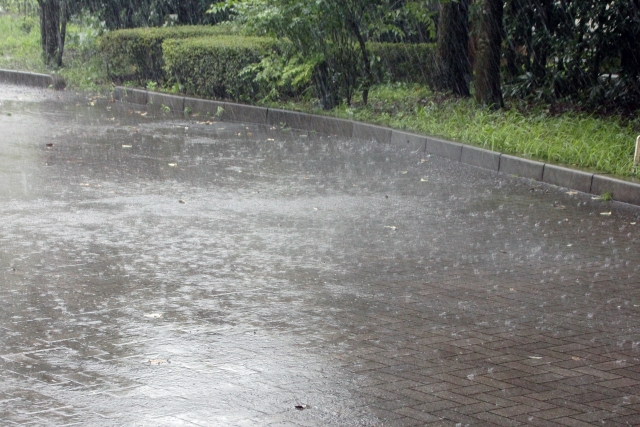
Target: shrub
x,y
136,54
216,67
400,62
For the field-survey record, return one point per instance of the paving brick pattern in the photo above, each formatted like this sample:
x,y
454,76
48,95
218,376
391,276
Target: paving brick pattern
x,y
366,284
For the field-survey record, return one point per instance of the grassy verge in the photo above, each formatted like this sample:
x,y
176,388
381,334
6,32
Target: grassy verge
x,y
604,144
20,50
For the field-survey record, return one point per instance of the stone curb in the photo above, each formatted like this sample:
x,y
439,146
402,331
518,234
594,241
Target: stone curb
x,y
518,166
480,158
627,190
32,79
173,102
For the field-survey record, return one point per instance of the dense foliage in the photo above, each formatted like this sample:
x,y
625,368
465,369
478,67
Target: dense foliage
x,y
215,67
329,37
581,54
136,54
584,51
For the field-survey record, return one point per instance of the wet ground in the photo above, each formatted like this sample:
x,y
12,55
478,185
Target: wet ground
x,y
157,270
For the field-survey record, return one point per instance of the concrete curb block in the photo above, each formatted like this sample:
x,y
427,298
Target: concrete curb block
x,y
32,79
288,119
627,191
331,126
569,178
204,107
622,191
8,76
175,103
518,166
369,132
135,96
244,113
480,157
415,142
443,148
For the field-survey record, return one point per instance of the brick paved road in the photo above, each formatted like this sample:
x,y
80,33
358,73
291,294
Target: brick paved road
x,y
365,284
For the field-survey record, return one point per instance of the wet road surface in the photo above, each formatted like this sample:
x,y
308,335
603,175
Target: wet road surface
x,y
157,270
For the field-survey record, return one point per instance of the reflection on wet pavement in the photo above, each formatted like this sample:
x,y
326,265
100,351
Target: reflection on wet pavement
x,y
162,270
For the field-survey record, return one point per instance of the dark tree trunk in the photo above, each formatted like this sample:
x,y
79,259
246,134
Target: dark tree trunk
x,y
53,24
544,9
325,87
454,68
487,65
368,76
62,34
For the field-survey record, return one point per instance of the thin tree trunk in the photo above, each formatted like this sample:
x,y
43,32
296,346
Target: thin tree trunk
x,y
454,68
368,77
487,65
62,34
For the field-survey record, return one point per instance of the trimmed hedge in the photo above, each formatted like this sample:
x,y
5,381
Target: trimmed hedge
x,y
399,62
214,67
136,54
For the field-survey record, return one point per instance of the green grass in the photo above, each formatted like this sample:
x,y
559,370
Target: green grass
x,y
20,50
20,44
601,144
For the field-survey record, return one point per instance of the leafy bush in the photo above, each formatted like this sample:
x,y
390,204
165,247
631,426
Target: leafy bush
x,y
217,67
400,62
136,54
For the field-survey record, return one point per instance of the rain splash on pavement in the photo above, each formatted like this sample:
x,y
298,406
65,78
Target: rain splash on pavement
x,y
163,270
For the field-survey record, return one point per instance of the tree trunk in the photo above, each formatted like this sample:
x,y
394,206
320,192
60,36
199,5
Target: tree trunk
x,y
62,34
487,65
51,37
544,9
368,76
454,68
